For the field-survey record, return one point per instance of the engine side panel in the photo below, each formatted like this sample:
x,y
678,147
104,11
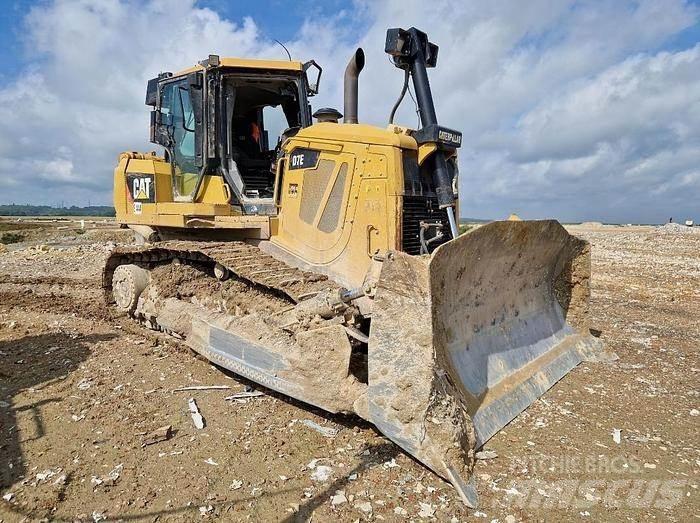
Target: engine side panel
x,y
339,204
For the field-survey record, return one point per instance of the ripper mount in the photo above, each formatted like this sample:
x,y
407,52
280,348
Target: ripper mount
x,y
412,52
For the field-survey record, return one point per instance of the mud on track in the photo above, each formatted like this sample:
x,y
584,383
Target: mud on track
x,y
80,386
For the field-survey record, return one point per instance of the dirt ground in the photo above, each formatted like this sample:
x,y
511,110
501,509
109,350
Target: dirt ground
x,y
81,387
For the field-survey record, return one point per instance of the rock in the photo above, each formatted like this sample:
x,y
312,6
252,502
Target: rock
x,y
616,435
197,418
160,434
391,464
365,507
46,474
426,510
321,473
110,479
486,454
339,498
328,432
84,384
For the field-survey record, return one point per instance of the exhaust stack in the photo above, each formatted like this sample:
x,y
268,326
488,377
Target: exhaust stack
x,y
352,71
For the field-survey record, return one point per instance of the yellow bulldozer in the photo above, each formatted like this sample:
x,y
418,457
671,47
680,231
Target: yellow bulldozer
x,y
323,259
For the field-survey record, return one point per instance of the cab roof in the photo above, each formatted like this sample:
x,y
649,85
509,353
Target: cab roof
x,y
248,63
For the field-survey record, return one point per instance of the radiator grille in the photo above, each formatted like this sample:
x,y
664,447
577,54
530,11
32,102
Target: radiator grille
x,y
415,210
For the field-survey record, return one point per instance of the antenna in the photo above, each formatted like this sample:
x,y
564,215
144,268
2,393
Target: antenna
x,y
283,47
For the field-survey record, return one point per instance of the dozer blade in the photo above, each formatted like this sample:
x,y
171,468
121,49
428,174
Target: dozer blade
x,y
463,341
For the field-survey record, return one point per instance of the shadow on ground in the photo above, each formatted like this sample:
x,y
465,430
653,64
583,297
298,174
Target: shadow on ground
x,y
32,362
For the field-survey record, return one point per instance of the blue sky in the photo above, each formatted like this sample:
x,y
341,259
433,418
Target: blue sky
x,y
277,19
11,21
572,109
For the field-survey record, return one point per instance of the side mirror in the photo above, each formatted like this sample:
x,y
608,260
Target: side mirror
x,y
312,86
152,92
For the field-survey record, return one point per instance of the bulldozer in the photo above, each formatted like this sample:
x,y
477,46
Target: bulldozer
x,y
323,259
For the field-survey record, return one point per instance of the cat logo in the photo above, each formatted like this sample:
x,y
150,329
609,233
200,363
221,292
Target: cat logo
x,y
141,187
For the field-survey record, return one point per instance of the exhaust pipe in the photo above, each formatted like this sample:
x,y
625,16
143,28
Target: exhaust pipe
x,y
352,71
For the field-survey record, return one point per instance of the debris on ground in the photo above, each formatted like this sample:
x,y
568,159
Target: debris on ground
x,y
160,434
243,397
321,473
616,435
338,498
202,387
391,464
426,510
45,475
197,418
486,454
328,432
84,384
110,479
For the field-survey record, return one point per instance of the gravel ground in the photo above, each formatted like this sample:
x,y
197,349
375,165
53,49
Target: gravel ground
x,y
82,388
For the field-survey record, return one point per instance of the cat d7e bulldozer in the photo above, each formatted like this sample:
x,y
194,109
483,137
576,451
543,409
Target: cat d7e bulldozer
x,y
323,259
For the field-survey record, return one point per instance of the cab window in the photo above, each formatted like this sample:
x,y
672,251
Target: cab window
x,y
176,102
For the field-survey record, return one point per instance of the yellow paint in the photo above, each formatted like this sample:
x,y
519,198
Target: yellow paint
x,y
265,65
425,150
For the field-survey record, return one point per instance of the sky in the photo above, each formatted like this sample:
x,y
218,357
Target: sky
x,y
570,109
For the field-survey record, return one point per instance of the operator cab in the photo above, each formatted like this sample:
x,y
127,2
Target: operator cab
x,y
229,117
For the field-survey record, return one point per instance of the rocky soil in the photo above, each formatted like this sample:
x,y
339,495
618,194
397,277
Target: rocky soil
x,y
82,390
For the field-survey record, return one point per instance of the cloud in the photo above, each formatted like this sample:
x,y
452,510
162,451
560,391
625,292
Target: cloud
x,y
568,109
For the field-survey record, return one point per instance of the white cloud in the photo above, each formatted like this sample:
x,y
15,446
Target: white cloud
x,y
568,108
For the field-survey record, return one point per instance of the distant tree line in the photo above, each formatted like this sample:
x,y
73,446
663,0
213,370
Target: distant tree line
x,y
45,210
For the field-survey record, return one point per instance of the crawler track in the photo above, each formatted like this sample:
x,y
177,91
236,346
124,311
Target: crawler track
x,y
245,261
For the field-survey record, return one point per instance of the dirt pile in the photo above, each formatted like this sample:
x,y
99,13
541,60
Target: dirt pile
x,y
677,228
